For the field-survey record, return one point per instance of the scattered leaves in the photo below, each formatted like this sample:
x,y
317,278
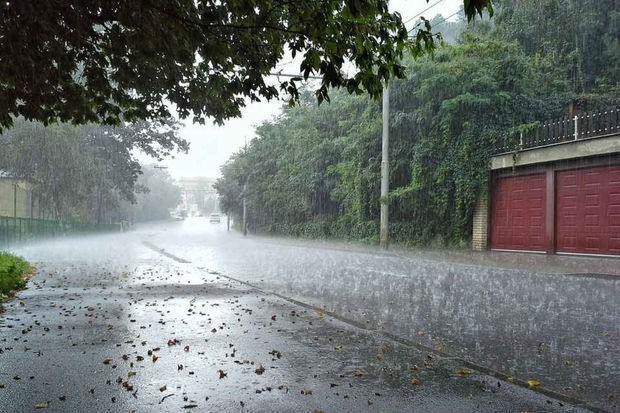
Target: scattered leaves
x,y
275,353
533,383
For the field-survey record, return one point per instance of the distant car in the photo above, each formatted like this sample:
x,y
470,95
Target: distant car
x,y
214,218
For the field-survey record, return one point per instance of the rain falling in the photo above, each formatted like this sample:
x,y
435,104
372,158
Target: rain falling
x,y
340,206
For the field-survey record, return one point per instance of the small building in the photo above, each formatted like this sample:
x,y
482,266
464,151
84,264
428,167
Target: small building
x,y
16,197
558,192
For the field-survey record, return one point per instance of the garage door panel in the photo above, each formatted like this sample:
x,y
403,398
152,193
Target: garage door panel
x,y
592,199
592,220
588,210
518,213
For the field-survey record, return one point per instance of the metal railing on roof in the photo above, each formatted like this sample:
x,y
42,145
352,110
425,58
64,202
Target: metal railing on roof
x,y
587,125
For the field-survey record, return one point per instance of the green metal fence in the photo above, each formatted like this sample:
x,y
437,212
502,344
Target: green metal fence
x,y
16,230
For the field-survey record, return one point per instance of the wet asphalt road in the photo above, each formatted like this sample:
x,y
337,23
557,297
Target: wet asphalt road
x,y
110,323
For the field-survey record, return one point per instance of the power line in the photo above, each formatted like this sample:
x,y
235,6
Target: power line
x,y
292,75
423,11
446,19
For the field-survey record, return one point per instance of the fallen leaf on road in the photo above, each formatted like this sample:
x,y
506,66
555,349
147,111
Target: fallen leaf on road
x,y
131,373
43,405
415,382
162,388
222,374
107,361
463,372
533,383
260,369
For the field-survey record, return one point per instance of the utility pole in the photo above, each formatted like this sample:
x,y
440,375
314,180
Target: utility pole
x,y
245,190
385,169
15,200
245,221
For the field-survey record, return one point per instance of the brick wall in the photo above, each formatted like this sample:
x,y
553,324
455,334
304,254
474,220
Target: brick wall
x,y
481,223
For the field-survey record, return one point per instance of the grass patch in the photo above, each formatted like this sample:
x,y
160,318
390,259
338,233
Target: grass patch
x,y
13,272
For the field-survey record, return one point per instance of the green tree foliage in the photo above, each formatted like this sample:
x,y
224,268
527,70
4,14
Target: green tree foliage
x,y
83,61
315,171
453,109
156,195
579,40
83,173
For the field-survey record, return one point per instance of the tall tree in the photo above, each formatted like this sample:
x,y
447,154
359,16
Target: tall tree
x,y
107,61
82,173
156,195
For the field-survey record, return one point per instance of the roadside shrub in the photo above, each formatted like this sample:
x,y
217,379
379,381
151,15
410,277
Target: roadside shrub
x,y
12,272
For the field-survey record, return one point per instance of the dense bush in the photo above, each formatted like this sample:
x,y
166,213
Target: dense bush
x,y
315,171
12,272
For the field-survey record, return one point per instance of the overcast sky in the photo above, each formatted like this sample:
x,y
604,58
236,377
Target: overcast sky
x,y
211,146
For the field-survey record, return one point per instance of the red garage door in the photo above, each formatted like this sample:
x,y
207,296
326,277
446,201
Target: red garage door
x,y
588,210
518,213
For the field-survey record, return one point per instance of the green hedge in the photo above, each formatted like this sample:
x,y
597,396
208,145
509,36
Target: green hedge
x,y
12,272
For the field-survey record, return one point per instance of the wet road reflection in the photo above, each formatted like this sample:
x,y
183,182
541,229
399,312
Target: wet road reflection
x,y
108,324
562,330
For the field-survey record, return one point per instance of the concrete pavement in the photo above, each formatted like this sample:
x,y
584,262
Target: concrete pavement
x,y
112,324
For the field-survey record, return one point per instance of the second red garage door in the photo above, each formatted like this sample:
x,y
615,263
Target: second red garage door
x,y
518,213
588,210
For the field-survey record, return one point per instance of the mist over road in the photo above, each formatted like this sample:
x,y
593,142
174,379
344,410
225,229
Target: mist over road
x,y
109,321
538,322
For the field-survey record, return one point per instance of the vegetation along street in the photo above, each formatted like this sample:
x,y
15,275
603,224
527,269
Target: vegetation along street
x,y
309,206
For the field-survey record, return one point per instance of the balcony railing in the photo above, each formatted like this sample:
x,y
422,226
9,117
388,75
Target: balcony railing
x,y
568,129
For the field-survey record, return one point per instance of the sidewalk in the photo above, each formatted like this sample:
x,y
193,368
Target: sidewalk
x,y
580,265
